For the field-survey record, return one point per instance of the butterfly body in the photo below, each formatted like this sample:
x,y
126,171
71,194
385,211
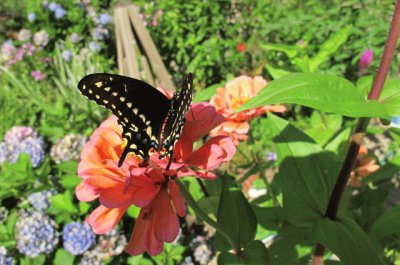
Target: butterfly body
x,y
150,121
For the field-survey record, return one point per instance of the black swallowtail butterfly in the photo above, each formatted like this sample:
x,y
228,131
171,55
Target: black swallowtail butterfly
x,y
150,121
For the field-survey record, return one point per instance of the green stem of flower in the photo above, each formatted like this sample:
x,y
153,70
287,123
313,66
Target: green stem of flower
x,y
199,212
262,174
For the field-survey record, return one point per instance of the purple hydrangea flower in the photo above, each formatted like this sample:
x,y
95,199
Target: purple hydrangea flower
x,y
59,12
4,259
18,133
104,19
99,33
31,17
41,38
34,147
78,238
35,233
366,59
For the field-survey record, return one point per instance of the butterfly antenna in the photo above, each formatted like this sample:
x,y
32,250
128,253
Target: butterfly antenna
x,y
123,156
169,162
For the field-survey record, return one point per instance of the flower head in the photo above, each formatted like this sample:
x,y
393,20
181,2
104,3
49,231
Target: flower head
x,y
53,6
241,47
202,250
38,75
67,148
60,12
20,139
31,17
366,59
148,185
4,259
75,37
24,35
35,233
66,55
235,93
104,19
78,238
41,38
94,46
40,200
365,165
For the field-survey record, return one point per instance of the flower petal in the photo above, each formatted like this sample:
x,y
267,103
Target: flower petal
x,y
167,224
177,200
104,219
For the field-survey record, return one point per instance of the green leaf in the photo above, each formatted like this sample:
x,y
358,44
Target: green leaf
x,y
68,166
255,253
139,260
133,211
63,257
269,217
306,173
385,172
277,71
329,47
290,50
63,203
84,207
209,204
70,181
207,93
39,260
241,222
346,239
339,144
319,91
387,224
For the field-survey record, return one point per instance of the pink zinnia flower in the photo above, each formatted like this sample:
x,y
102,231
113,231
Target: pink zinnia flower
x,y
235,93
148,184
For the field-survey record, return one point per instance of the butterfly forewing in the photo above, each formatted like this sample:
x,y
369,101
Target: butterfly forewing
x,y
140,108
180,105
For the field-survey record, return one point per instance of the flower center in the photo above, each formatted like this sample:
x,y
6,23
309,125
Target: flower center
x,y
238,102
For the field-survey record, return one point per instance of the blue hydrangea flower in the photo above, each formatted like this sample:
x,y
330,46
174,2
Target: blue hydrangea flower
x,y
78,237
53,6
41,200
34,147
104,19
35,233
3,152
94,46
4,259
59,12
31,17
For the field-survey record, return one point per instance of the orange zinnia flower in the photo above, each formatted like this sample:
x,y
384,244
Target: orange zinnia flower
x,y
148,184
365,165
229,98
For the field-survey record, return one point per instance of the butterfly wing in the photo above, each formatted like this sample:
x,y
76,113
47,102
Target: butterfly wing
x,y
140,108
180,105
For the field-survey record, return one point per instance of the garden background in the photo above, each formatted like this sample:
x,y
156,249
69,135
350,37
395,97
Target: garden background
x,y
48,46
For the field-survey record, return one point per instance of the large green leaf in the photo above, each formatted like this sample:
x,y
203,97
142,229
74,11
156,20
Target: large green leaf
x,y
387,224
306,173
63,257
290,50
346,239
236,216
320,91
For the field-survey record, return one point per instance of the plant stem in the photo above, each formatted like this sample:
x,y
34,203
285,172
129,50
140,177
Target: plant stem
x,y
362,125
199,212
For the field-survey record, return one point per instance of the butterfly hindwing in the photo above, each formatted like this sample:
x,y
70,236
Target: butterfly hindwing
x,y
140,108
179,106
